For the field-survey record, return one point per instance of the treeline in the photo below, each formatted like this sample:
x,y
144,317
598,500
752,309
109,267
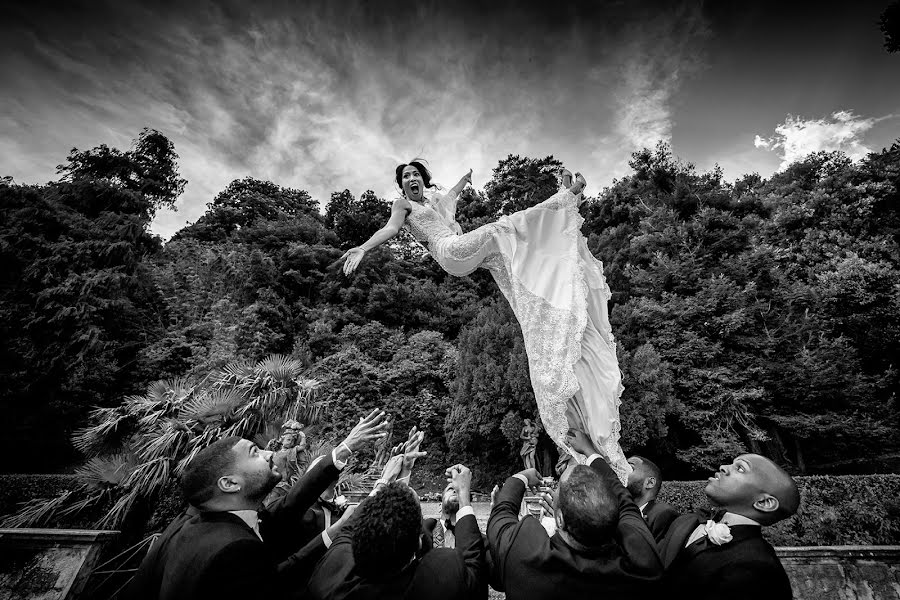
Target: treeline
x,y
758,315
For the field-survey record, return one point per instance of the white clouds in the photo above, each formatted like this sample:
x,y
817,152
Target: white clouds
x,y
796,137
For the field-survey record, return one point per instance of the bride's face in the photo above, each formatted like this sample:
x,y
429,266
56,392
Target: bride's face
x,y
413,186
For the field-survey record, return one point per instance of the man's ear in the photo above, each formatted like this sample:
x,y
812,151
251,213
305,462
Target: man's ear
x,y
560,521
650,483
767,503
229,484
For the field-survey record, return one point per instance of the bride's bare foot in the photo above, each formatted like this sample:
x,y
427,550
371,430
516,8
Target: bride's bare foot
x,y
567,178
577,187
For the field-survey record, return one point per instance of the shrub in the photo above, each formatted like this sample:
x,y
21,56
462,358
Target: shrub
x,y
835,510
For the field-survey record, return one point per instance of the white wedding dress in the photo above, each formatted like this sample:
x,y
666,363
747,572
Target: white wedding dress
x,y
558,293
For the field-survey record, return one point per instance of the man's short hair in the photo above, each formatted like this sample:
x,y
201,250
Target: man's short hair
x,y
590,509
652,470
386,531
199,481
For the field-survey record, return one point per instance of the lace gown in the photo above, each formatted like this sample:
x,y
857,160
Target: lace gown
x,y
558,293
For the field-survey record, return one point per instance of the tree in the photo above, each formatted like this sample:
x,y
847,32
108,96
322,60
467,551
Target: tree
x,y
520,182
355,220
138,449
150,168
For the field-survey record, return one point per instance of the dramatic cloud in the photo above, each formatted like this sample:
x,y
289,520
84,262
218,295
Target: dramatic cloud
x,y
797,137
322,97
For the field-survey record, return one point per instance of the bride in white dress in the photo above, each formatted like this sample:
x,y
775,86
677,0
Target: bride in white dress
x,y
554,285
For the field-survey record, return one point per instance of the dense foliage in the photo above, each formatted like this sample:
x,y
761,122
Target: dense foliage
x,y
755,315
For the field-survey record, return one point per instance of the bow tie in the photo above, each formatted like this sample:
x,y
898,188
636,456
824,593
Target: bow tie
x,y
448,526
328,504
714,514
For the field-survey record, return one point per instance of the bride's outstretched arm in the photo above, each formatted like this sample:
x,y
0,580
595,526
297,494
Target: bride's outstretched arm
x,y
460,185
353,256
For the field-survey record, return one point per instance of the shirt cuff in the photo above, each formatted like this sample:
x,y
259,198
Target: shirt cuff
x,y
375,487
592,458
521,478
326,539
340,464
464,511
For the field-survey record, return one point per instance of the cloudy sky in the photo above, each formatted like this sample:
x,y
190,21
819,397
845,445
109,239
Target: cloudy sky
x,y
330,95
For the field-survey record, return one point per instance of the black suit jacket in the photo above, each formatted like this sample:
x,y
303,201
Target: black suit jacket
x,y
530,564
659,516
216,556
743,569
439,574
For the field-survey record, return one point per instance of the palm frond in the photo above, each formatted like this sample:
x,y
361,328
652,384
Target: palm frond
x,y
211,407
280,368
168,439
114,518
234,373
352,482
169,390
103,473
39,511
109,424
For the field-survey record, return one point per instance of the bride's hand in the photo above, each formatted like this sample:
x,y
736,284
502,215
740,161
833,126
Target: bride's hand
x,y
468,177
352,258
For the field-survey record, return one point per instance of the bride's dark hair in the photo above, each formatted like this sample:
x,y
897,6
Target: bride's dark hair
x,y
417,163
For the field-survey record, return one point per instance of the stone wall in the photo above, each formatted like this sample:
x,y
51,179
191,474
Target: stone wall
x,y
47,564
843,572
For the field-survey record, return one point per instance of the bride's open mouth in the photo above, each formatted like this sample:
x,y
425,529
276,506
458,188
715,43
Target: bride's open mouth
x,y
414,187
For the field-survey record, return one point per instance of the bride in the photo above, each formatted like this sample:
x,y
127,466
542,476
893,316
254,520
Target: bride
x,y
554,285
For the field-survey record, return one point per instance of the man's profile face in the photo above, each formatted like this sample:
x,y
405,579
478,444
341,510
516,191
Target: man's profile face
x,y
637,477
256,469
738,483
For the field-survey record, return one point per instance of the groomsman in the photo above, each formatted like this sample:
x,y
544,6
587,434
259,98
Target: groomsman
x,y
376,556
644,484
726,556
322,514
227,545
602,547
441,532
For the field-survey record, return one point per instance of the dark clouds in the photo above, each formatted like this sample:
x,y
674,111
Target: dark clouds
x,y
327,95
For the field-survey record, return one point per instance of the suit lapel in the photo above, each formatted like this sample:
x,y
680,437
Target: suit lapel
x,y
739,533
677,536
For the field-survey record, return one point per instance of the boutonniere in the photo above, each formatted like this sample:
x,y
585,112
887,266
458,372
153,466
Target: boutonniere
x,y
340,501
718,533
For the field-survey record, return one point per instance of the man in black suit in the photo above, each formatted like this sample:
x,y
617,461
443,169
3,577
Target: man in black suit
x,y
375,557
441,532
644,483
727,557
322,514
602,547
226,546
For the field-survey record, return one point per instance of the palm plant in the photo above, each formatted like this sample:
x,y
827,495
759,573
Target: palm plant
x,y
136,449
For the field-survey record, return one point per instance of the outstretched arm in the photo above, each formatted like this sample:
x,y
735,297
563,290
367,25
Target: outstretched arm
x,y
460,185
353,256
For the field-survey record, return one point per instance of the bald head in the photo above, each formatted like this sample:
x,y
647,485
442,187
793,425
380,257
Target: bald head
x,y
754,486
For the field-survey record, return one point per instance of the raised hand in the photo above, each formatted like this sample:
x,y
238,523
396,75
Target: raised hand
x,y
351,259
468,177
566,178
411,452
396,466
534,478
578,187
371,427
580,442
460,477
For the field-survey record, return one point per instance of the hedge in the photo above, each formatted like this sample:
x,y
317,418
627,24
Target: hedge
x,y
834,509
